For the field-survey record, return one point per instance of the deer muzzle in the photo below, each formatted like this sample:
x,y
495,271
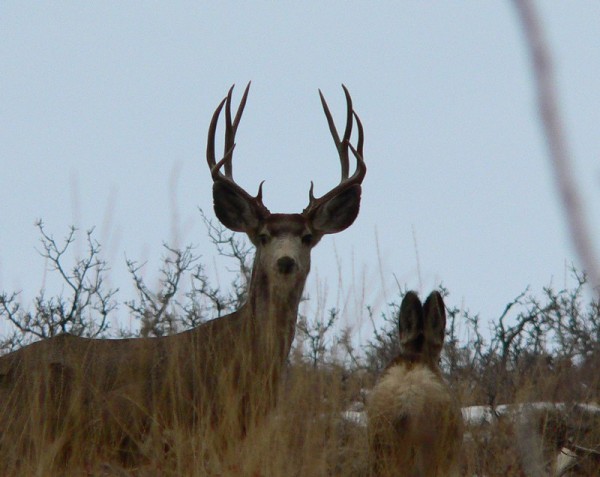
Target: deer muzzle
x,y
286,265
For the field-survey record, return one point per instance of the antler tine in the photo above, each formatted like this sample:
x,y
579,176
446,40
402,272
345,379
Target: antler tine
x,y
229,137
212,129
347,134
231,127
342,147
361,136
361,168
241,107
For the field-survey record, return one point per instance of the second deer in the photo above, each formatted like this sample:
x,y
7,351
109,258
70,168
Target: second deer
x,y
415,425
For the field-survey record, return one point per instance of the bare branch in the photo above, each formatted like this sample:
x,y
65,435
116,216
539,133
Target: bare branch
x,y
82,310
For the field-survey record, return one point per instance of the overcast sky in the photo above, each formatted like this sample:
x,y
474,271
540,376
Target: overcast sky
x,y
104,109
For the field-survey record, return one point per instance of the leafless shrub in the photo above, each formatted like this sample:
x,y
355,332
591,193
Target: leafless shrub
x,y
312,337
186,297
544,345
158,312
82,309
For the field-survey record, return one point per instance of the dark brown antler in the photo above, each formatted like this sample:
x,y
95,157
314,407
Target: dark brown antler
x,y
342,146
230,130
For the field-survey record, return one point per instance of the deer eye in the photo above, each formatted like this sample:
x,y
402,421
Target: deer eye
x,y
307,239
263,239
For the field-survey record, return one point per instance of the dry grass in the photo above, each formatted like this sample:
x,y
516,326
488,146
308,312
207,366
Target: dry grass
x,y
303,436
45,433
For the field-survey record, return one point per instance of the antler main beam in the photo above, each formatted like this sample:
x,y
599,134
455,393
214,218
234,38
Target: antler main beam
x,y
227,160
230,130
342,147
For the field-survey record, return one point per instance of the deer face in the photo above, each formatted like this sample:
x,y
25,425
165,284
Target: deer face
x,y
284,241
283,244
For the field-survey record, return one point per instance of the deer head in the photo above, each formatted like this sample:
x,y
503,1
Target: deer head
x,y
283,241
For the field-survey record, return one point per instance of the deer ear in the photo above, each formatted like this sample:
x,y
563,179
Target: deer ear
x,y
338,213
434,320
233,209
410,323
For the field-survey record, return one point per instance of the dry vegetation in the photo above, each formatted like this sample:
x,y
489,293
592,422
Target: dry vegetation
x,y
544,347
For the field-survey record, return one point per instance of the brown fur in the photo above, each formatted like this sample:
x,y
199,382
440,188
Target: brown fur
x,y
415,425
123,387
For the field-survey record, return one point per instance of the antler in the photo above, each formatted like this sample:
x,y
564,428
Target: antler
x,y
342,146
230,130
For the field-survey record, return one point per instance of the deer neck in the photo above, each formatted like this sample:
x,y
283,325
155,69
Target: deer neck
x,y
272,307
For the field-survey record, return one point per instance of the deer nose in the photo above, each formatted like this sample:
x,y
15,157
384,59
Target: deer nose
x,y
286,265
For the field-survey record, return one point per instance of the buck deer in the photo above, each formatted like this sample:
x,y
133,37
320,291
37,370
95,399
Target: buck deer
x,y
197,377
414,425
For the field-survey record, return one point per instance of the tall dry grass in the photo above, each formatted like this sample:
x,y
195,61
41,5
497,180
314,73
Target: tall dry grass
x,y
59,427
57,421
304,435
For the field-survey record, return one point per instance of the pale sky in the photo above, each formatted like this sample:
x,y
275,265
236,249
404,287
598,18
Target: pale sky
x,y
104,110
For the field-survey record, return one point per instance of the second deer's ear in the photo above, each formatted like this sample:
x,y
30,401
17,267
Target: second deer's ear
x,y
338,213
410,322
233,209
435,319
